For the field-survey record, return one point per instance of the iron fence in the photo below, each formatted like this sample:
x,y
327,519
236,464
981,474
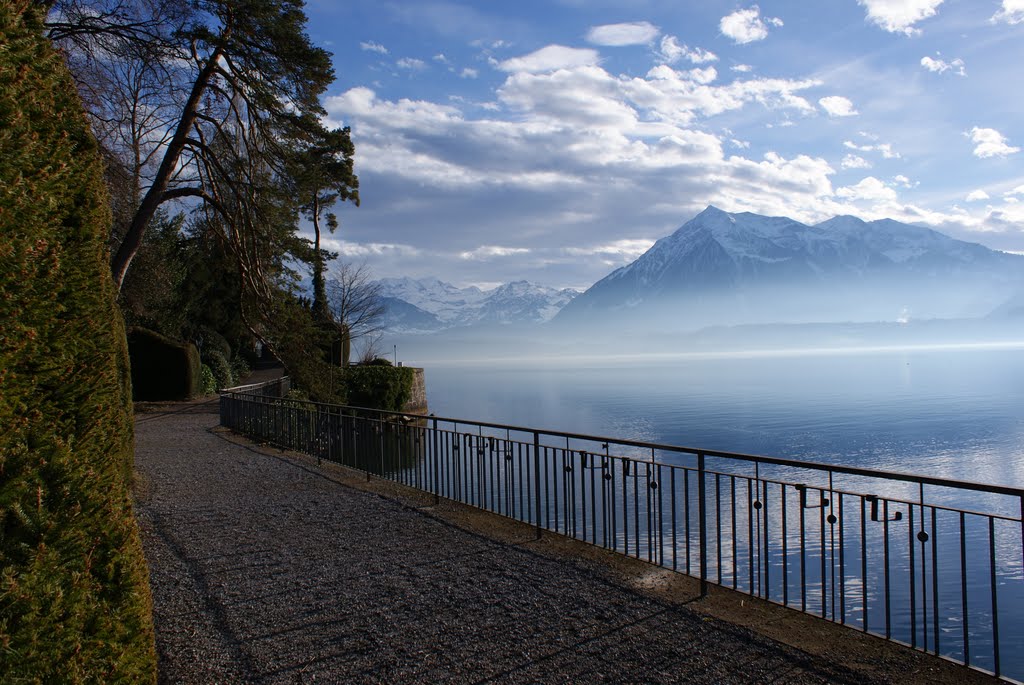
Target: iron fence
x,y
934,563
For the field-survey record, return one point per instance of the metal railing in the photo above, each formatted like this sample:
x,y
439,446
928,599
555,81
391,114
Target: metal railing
x,y
277,387
934,563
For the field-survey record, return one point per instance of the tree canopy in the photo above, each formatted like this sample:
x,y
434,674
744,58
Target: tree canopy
x,y
213,100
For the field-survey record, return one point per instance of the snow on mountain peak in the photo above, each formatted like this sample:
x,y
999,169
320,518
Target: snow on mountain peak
x,y
845,266
517,301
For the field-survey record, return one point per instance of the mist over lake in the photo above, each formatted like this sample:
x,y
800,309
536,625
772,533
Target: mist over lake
x,y
954,412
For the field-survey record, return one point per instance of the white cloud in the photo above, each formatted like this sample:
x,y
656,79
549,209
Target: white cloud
x,y
670,52
1019,190
551,58
585,96
884,148
940,66
746,26
616,35
742,68
899,16
441,58
837,106
903,181
869,189
370,46
990,143
491,251
628,249
411,63
469,72
977,195
363,250
675,96
705,75
855,162
741,144
1011,12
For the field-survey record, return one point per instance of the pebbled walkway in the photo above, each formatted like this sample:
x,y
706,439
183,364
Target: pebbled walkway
x,y
267,569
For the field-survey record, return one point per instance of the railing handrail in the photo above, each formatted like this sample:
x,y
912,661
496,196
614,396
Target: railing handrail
x,y
238,389
681,449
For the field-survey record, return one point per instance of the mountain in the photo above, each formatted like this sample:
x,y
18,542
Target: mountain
x,y
726,269
430,304
399,315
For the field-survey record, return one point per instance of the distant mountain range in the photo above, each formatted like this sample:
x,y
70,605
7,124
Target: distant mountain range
x,y
429,304
729,269
743,269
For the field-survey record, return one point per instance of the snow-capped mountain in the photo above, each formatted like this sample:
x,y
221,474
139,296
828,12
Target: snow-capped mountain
x,y
430,304
446,302
722,268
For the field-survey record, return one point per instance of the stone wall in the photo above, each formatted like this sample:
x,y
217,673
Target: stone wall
x,y
417,403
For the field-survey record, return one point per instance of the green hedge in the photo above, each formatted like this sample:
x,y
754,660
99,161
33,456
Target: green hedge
x,y
378,387
74,593
221,368
207,382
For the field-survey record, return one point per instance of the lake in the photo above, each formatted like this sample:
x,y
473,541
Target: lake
x,y
948,412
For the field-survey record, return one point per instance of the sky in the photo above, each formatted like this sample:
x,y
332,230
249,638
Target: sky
x,y
556,140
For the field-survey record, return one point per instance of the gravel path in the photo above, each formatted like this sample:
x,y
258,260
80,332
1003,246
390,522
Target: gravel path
x,y
266,569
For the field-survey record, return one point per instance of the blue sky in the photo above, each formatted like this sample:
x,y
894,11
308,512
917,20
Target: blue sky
x,y
555,141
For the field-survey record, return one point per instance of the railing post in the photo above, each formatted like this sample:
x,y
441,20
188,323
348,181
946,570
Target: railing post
x,y
536,481
702,511
437,462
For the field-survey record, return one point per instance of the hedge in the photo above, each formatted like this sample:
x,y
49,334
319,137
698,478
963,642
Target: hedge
x,y
221,369
74,594
378,387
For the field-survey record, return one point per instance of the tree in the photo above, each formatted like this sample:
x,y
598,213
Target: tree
x,y
356,306
324,175
243,81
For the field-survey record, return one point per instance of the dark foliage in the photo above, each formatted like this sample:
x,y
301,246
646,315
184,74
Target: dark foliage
x,y
378,386
220,367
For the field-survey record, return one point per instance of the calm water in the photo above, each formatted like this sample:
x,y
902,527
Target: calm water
x,y
947,413
952,413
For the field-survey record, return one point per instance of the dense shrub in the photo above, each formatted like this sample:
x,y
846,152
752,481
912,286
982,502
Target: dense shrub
x,y
207,382
378,361
74,595
297,394
221,369
378,386
240,369
214,342
162,369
